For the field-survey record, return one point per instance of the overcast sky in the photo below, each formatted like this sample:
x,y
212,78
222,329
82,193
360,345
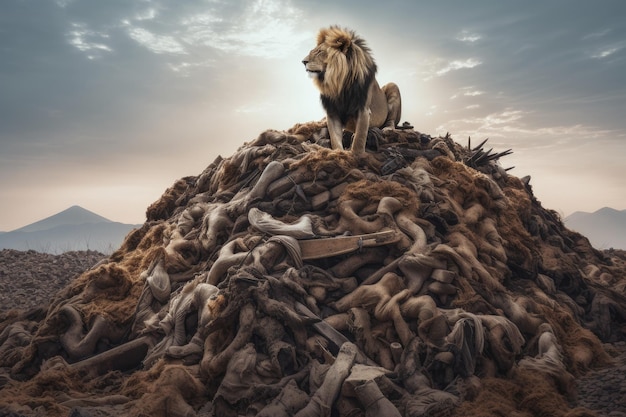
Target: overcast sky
x,y
104,104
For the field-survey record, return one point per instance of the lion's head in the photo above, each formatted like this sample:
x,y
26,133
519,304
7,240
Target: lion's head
x,y
340,60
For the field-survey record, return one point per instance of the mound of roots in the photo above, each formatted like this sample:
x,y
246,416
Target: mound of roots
x,y
420,279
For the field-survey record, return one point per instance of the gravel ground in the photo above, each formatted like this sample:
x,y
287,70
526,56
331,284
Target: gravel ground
x,y
604,390
29,279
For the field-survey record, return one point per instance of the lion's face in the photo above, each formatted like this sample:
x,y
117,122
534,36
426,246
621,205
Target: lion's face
x,y
316,62
339,61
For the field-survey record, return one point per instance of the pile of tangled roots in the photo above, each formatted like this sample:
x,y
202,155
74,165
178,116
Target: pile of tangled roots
x,y
417,279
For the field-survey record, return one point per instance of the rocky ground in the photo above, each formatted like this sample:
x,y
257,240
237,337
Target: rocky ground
x,y
604,390
30,279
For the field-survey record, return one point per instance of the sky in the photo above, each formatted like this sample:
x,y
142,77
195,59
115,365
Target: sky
x,y
105,104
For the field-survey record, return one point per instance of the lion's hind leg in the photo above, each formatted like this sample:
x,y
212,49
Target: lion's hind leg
x,y
394,105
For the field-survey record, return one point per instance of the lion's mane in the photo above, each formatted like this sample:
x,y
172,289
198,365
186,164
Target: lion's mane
x,y
350,70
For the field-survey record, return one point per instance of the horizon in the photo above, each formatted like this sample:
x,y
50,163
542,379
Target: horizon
x,y
139,223
105,105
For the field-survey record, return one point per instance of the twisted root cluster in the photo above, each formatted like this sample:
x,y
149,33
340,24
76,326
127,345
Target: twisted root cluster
x,y
419,279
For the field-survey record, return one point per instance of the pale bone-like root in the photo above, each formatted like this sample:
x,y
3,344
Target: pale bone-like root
x,y
473,213
414,231
227,258
79,344
422,308
515,312
201,297
158,282
416,269
273,248
264,222
123,357
349,265
443,275
410,367
324,397
194,297
389,206
350,221
360,327
339,321
468,251
281,353
376,276
443,250
390,310
218,219
396,351
284,311
272,171
549,361
503,351
374,402
282,184
493,241
359,324
368,296
217,363
442,290
215,222
287,403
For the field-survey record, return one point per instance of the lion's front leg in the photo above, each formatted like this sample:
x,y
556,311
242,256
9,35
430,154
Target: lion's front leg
x,y
360,131
394,105
335,130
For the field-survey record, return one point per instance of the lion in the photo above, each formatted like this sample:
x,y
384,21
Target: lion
x,y
344,70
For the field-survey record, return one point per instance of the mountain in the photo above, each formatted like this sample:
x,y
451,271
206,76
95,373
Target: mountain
x,y
605,228
72,229
74,215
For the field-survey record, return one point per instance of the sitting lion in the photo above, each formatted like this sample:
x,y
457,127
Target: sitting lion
x,y
344,71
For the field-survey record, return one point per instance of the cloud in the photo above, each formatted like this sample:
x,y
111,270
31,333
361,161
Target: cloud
x,y
260,28
186,68
596,35
159,44
468,37
89,41
263,28
148,14
606,52
457,65
511,128
473,93
468,92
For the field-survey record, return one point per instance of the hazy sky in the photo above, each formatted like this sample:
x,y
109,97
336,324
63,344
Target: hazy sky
x,y
104,104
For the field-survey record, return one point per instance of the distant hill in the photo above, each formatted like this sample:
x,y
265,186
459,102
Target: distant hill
x,y
74,215
605,228
72,229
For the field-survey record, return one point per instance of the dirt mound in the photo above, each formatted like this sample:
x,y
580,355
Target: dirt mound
x,y
289,279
